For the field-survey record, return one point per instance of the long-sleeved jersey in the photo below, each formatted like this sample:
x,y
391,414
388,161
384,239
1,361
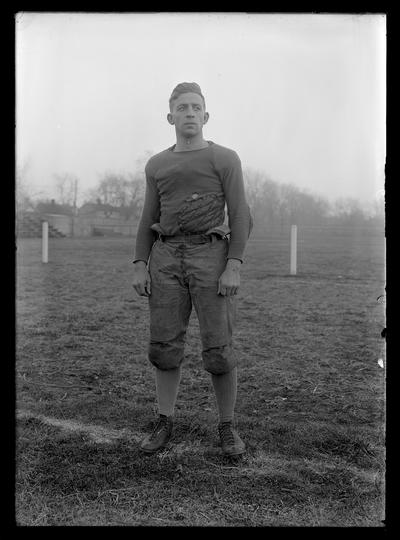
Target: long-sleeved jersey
x,y
188,191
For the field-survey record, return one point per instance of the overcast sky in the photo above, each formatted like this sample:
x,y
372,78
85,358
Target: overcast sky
x,y
300,97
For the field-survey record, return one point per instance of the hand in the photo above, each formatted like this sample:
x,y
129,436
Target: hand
x,y
229,281
141,279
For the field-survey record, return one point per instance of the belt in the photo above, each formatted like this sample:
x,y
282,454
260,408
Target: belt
x,y
195,238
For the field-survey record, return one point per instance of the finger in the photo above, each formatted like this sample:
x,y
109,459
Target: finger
x,y
148,286
136,289
139,289
143,289
219,288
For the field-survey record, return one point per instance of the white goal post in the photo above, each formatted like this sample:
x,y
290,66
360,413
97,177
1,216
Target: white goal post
x,y
293,250
45,242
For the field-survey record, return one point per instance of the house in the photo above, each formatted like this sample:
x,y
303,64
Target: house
x,y
54,208
99,210
99,219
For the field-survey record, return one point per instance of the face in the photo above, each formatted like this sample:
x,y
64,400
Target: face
x,y
188,114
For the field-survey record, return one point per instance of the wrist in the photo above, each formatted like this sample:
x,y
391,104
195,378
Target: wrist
x,y
233,264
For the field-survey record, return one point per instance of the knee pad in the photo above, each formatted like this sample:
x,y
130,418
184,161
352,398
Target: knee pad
x,y
219,360
165,355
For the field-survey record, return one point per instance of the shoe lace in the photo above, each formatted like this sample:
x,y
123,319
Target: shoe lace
x,y
162,424
226,433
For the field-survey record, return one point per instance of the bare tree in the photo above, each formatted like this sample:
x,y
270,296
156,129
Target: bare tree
x,y
112,189
137,185
23,193
348,211
377,212
67,189
275,204
262,195
125,191
254,181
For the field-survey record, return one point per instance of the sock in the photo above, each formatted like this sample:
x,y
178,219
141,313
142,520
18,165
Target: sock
x,y
225,387
167,385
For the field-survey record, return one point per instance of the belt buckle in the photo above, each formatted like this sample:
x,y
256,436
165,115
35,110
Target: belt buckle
x,y
197,238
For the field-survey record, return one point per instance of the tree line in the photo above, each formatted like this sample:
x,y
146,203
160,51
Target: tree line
x,y
276,205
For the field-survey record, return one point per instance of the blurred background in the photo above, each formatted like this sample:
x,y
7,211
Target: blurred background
x,y
300,98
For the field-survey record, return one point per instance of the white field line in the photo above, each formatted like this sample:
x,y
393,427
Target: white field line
x,y
102,435
261,463
98,434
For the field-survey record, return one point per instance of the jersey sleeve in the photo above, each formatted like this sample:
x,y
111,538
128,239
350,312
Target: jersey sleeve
x,y
239,217
150,215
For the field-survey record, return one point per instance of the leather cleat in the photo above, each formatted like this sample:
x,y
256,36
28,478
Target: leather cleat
x,y
231,443
159,437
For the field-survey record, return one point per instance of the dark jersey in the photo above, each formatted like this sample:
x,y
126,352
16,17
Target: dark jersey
x,y
188,192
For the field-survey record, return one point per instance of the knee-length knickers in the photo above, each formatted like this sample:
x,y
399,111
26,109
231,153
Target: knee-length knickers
x,y
185,274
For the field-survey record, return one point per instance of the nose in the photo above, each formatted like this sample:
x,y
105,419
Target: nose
x,y
190,112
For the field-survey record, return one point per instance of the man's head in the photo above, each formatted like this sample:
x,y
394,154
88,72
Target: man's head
x,y
185,88
187,109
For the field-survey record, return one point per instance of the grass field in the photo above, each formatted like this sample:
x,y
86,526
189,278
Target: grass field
x,y
311,400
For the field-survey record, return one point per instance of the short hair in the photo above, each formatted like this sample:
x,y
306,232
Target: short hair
x,y
184,88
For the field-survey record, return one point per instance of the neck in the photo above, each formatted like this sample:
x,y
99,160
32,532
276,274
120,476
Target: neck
x,y
185,144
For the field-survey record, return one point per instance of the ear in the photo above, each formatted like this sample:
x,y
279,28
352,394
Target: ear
x,y
170,119
206,117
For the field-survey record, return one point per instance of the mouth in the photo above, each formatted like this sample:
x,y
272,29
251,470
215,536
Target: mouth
x,y
190,124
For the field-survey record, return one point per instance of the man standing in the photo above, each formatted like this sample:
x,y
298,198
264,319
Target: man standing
x,y
183,258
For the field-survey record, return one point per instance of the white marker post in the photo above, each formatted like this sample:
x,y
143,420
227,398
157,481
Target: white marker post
x,y
45,242
293,250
